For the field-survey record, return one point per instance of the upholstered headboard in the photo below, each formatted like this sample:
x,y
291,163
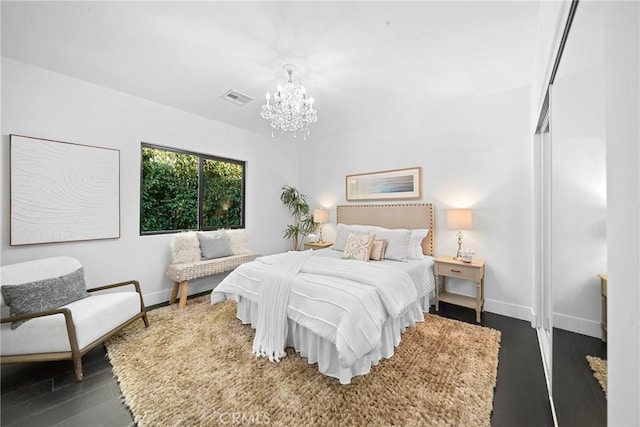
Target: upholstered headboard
x,y
415,215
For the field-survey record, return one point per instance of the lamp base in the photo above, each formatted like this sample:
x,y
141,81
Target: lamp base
x,y
459,236
466,259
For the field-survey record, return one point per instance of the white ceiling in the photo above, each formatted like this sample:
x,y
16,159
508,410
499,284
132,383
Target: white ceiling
x,y
359,60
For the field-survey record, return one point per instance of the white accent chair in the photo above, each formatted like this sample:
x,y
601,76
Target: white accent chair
x,y
70,331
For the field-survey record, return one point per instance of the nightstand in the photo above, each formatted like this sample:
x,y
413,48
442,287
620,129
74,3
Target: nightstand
x,y
447,266
317,245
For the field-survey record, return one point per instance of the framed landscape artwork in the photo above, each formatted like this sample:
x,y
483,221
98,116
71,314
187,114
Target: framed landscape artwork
x,y
63,192
385,185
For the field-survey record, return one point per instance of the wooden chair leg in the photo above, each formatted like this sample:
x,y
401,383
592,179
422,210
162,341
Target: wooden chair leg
x,y
183,294
145,320
77,366
174,292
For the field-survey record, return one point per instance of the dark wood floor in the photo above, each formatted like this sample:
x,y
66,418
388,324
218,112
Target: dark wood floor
x,y
573,382
521,397
47,394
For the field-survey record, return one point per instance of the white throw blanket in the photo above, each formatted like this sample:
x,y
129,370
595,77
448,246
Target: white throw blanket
x,y
272,325
343,301
383,279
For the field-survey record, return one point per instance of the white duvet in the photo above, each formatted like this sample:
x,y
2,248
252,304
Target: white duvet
x,y
343,301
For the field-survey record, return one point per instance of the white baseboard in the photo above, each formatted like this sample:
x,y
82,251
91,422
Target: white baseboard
x,y
562,321
158,297
507,309
578,325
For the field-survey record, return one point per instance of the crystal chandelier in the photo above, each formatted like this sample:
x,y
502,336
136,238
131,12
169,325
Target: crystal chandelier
x,y
290,110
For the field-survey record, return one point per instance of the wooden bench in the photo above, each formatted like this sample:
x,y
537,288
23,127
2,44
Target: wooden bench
x,y
188,263
182,273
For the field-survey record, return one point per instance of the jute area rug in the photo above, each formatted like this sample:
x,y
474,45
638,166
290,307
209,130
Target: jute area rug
x,y
599,368
194,367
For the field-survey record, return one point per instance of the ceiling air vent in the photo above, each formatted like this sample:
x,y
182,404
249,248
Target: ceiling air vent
x,y
237,98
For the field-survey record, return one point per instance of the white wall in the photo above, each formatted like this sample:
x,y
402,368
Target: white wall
x,y
474,154
622,89
40,103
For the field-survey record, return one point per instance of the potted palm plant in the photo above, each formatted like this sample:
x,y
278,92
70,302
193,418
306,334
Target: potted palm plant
x,y
303,223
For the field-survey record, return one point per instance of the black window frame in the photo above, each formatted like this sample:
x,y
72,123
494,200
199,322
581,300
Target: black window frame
x,y
201,158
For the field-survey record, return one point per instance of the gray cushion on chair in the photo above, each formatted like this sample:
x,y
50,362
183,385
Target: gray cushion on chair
x,y
44,294
214,245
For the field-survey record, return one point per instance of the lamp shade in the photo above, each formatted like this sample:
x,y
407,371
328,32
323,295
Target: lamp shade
x,y
320,216
459,219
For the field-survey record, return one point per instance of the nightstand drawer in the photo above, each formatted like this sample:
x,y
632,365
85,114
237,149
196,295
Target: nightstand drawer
x,y
459,271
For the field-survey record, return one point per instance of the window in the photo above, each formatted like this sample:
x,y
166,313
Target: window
x,y
181,190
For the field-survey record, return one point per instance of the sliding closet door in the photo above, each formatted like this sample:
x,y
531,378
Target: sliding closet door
x,y
578,171
578,199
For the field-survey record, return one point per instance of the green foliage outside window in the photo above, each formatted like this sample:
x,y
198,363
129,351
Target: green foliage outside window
x,y
222,194
170,191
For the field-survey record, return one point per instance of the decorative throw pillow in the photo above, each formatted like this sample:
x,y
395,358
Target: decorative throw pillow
x,y
415,243
239,240
43,295
185,247
214,245
377,250
358,246
398,242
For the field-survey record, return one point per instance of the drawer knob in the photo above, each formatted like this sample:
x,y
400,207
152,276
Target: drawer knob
x,y
456,271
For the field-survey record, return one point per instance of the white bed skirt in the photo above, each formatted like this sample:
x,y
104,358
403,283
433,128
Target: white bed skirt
x,y
323,352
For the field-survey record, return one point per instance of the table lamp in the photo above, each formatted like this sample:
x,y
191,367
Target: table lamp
x,y
320,216
459,219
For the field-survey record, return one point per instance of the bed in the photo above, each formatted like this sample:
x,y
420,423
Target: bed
x,y
347,315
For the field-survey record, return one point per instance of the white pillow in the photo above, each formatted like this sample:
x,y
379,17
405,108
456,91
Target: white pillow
x,y
239,240
185,247
415,243
342,234
213,233
397,242
358,247
214,245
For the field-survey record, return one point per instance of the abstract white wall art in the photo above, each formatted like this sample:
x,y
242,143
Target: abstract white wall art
x,y
62,192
